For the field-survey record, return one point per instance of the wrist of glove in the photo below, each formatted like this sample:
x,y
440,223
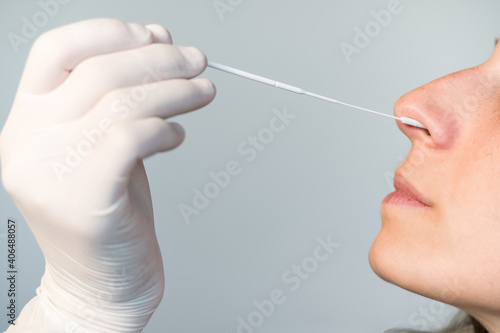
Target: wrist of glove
x,y
111,280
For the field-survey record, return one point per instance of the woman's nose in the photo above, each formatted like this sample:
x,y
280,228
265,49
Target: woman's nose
x,y
434,108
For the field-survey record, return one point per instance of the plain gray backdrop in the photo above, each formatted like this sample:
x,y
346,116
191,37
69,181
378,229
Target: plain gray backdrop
x,y
325,174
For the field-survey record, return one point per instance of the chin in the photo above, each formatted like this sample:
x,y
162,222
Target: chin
x,y
394,262
383,252
387,262
378,258
399,260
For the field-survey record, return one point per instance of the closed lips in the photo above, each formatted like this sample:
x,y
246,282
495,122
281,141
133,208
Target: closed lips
x,y
403,185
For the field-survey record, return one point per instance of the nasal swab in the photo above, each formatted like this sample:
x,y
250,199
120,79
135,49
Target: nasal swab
x,y
277,84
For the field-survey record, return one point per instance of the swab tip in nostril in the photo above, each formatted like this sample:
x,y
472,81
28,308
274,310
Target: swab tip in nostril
x,y
412,122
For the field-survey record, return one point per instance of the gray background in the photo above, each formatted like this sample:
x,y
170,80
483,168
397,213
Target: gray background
x,y
326,174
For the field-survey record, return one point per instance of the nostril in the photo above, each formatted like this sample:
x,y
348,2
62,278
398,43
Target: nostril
x,y
412,122
442,125
415,124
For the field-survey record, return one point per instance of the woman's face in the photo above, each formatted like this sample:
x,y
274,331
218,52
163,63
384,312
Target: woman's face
x,y
446,244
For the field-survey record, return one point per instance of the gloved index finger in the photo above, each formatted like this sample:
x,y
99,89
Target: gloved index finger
x,y
56,53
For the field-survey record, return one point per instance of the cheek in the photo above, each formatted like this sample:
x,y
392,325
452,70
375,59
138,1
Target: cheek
x,y
473,250
471,210
472,215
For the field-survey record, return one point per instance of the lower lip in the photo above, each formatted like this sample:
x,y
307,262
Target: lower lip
x,y
399,198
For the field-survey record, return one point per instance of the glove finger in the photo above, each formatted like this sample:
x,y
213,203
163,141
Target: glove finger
x,y
163,99
57,52
160,34
132,141
97,76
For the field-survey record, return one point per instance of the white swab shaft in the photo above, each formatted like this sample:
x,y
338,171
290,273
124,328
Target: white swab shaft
x,y
298,90
349,105
258,78
241,73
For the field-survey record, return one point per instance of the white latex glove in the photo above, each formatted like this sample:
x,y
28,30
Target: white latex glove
x,y
91,105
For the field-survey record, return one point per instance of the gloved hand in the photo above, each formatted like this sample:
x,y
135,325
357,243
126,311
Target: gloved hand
x,y
90,106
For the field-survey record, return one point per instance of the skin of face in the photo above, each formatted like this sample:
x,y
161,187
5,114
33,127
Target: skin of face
x,y
450,250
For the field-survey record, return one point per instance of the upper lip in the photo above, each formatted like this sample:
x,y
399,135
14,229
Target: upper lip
x,y
403,185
